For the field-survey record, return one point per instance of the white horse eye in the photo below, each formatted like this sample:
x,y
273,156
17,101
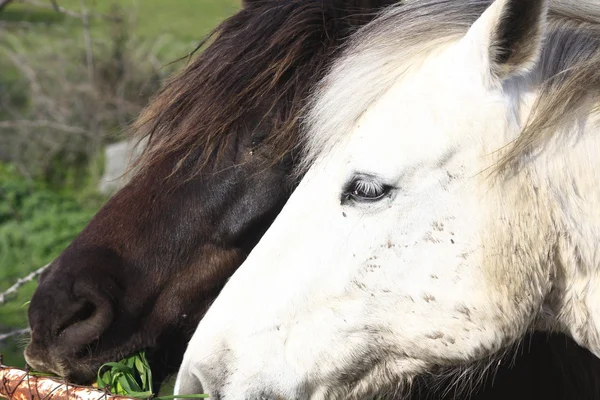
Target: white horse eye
x,y
363,189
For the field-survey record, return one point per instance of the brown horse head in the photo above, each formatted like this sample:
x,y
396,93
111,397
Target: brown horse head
x,y
214,174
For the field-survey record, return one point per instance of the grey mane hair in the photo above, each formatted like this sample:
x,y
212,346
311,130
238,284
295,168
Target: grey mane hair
x,y
569,77
568,69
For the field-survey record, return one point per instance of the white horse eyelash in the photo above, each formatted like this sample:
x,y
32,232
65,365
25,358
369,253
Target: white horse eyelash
x,y
364,189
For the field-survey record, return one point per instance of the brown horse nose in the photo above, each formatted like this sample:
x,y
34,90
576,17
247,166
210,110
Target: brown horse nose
x,y
66,316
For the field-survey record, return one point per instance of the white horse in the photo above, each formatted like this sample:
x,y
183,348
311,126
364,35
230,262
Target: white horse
x,y
451,204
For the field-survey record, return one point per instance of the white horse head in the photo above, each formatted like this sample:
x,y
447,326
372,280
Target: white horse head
x,y
450,206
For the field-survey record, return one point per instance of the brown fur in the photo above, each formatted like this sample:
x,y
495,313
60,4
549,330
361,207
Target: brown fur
x,y
199,109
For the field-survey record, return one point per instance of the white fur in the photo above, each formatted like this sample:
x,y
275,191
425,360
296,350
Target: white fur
x,y
342,300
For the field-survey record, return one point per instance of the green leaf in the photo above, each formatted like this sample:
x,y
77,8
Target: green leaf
x,y
119,389
143,374
149,376
134,383
139,365
131,376
116,367
103,379
140,395
124,382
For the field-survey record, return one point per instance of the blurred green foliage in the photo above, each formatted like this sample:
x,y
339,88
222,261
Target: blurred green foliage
x,y
186,20
36,224
40,213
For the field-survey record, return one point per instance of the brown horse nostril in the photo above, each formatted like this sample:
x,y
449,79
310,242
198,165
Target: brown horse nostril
x,y
86,321
84,311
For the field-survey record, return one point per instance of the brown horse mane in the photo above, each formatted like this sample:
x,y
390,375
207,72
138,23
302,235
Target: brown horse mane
x,y
263,60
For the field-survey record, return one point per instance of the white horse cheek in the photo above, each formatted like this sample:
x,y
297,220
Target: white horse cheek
x,y
573,203
424,271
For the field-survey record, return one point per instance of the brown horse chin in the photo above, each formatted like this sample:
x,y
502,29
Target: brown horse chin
x,y
42,360
39,361
64,361
76,372
78,365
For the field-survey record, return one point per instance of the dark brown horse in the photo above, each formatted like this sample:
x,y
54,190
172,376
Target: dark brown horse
x,y
215,173
143,272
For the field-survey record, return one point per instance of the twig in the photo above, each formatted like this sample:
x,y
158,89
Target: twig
x,y
60,9
17,384
10,334
29,72
4,3
43,124
88,41
20,24
56,8
20,282
55,5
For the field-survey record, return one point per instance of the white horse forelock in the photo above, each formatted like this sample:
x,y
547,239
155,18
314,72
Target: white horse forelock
x,y
378,55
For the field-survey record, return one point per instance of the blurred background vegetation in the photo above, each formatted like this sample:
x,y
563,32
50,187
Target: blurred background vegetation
x,y
73,75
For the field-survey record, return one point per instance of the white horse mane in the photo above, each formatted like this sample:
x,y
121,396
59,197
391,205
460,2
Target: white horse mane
x,y
569,67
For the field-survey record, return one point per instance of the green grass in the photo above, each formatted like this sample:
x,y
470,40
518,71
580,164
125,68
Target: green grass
x,y
36,224
171,27
187,20
184,20
24,13
132,377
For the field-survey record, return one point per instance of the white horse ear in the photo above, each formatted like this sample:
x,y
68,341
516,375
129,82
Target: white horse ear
x,y
510,32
